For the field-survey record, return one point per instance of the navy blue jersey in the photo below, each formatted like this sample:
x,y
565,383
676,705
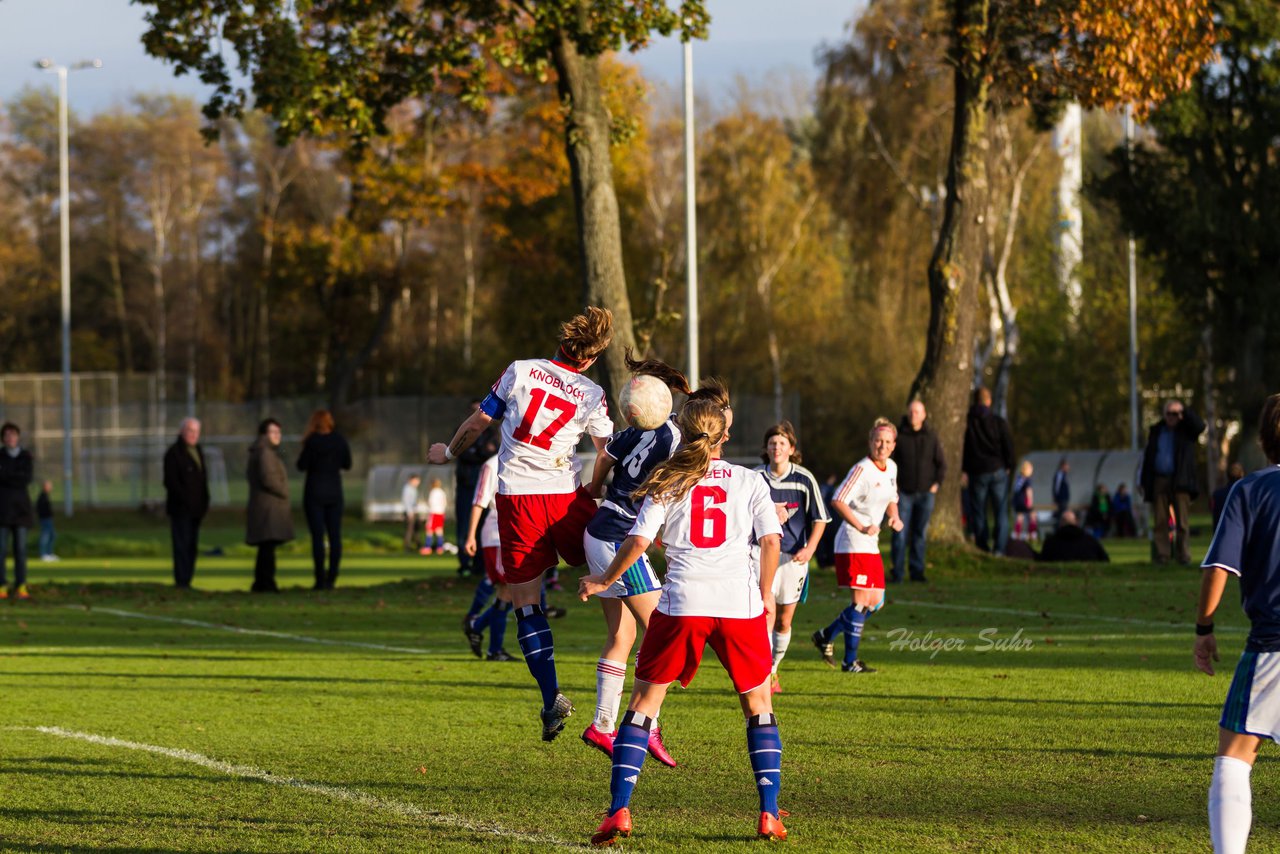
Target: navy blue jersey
x,y
1247,543
798,490
635,453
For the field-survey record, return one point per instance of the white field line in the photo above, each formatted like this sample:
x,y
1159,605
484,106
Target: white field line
x,y
341,793
1052,615
227,627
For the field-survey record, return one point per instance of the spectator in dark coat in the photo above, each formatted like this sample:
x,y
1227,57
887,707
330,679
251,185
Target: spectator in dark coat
x,y
1122,512
1061,489
1234,472
466,477
826,553
269,521
1169,475
1071,543
921,468
186,488
988,459
325,455
16,472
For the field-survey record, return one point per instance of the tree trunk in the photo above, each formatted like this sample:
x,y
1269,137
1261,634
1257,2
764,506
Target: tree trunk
x,y
586,141
117,285
469,294
944,379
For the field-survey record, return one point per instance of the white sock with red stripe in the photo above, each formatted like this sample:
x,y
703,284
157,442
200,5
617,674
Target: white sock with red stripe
x,y
610,675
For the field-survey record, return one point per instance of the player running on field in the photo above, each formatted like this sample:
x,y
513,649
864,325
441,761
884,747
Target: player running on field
x,y
869,492
495,618
708,511
804,517
546,405
1247,545
630,455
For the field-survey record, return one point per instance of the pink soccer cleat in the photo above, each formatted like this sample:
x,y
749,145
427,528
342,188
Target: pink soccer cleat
x,y
658,750
602,741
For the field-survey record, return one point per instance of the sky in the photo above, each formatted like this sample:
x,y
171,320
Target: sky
x,y
753,38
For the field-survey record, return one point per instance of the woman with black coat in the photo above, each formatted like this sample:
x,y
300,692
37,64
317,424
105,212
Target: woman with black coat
x,y
269,520
325,455
16,515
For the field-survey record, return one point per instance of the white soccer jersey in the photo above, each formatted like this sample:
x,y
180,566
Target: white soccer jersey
x,y
708,538
437,501
545,407
869,491
486,489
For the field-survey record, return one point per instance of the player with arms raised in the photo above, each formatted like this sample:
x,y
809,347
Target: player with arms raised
x,y
708,511
1246,544
630,455
869,491
546,405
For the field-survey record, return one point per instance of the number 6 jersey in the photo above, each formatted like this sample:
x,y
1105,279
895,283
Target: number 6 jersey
x,y
708,538
545,407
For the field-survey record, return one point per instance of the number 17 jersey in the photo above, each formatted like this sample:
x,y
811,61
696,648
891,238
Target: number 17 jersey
x,y
545,407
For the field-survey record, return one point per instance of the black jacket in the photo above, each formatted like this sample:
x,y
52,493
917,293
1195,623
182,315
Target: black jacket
x,y
324,457
1184,455
15,502
44,507
919,456
1073,543
186,485
988,445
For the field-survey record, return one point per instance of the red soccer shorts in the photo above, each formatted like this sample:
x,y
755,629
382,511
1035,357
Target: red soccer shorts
x,y
533,529
672,649
860,571
493,564
436,522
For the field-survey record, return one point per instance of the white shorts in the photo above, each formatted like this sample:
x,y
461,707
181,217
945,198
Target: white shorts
x,y
639,578
788,581
1253,700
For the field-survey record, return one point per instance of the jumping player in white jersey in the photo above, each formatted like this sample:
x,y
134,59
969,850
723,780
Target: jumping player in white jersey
x,y
709,511
495,618
546,405
869,492
630,456
1246,544
804,517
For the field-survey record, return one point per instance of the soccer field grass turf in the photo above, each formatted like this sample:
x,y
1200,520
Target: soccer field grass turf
x,y
1096,737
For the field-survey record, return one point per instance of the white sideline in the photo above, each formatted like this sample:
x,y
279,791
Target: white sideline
x,y
355,796
227,627
1050,615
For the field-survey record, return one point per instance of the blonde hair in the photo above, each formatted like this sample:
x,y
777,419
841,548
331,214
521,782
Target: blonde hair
x,y
702,423
1027,468
882,423
713,389
786,431
585,336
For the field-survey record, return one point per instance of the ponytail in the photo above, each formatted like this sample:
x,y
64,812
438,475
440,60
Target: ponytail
x,y
702,424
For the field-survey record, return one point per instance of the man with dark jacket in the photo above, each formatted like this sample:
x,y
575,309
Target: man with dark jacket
x,y
1169,475
186,487
16,472
988,459
921,468
1071,543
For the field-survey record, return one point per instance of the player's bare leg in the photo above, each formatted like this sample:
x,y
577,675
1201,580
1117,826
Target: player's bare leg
x,y
764,748
1230,796
534,634
780,638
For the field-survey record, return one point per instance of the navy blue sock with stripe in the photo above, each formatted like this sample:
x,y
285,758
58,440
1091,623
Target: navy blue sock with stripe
x,y
484,589
764,745
534,633
854,617
630,747
836,627
498,625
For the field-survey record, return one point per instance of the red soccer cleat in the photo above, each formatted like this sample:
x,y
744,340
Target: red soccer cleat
x,y
618,824
771,828
592,736
657,749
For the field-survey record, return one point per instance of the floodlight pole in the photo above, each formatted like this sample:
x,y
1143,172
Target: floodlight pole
x,y
64,216
690,219
1134,426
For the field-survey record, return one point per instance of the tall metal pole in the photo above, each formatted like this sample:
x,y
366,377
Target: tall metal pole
x,y
64,204
1134,426
691,220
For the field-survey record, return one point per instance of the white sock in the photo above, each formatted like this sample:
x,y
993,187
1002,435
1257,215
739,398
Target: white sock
x,y
1230,811
780,643
610,675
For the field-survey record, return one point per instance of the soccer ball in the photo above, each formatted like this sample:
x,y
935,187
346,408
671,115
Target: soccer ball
x,y
646,402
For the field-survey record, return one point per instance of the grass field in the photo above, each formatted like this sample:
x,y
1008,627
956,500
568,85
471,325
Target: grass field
x,y
140,719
